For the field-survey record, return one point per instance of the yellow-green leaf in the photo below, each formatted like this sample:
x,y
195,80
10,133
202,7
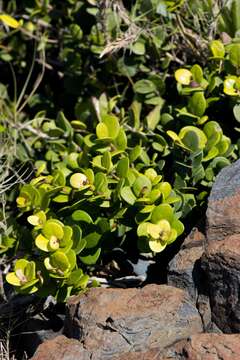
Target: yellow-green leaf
x,y
217,49
13,279
9,21
183,76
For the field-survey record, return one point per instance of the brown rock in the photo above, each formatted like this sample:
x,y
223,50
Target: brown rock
x,y
184,270
112,322
224,204
61,348
196,347
205,347
222,264
213,347
154,354
222,256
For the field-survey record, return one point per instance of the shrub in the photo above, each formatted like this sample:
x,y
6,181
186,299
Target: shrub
x,y
142,147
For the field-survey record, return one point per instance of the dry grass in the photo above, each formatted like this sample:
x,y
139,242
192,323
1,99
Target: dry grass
x,y
190,31
124,38
5,353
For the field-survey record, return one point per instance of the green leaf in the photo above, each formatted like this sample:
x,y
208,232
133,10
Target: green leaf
x,y
183,76
92,239
197,73
75,278
217,49
42,243
236,112
193,138
165,189
59,260
53,228
163,211
102,131
234,55
128,195
138,48
136,108
101,182
144,87
91,258
142,186
121,140
64,124
80,215
223,145
153,117
135,153
78,180
122,167
61,199
107,161
178,226
78,242
112,125
30,271
142,229
13,279
213,152
197,104
214,133
9,21
231,86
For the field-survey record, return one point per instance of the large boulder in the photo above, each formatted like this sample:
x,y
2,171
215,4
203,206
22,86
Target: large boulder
x,y
221,260
111,322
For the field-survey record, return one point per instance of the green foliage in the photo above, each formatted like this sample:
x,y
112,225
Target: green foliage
x,y
142,96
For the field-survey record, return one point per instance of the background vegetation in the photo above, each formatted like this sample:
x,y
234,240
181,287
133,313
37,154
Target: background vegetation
x,y
115,118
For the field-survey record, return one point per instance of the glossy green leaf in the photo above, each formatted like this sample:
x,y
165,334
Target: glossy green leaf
x,y
197,104
123,167
128,195
183,76
236,112
92,258
80,215
197,73
142,186
163,211
234,55
144,86
217,49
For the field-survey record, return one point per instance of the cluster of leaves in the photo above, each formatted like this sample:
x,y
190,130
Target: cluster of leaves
x,y
136,158
91,193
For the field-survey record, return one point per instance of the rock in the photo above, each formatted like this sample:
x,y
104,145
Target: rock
x,y
184,270
111,322
205,347
61,348
196,347
224,204
222,255
145,355
222,264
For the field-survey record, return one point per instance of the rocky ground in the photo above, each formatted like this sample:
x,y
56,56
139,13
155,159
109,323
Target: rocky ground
x,y
195,316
